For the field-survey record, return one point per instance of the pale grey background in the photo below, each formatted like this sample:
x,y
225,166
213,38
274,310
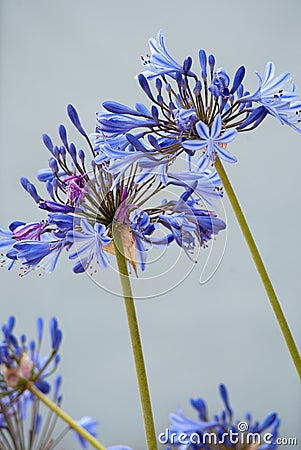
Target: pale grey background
x,y
56,52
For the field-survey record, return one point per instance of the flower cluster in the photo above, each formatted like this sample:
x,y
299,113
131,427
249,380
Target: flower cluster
x,y
222,431
191,115
132,156
22,364
85,202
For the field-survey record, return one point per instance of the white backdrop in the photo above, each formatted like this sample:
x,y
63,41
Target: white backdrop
x,y
194,337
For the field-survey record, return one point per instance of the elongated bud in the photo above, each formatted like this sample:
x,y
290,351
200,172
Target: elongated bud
x,y
53,165
211,62
48,142
72,113
63,135
203,63
145,86
187,64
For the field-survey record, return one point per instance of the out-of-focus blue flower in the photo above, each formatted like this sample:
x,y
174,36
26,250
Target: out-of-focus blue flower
x,y
119,447
22,362
21,413
89,425
221,432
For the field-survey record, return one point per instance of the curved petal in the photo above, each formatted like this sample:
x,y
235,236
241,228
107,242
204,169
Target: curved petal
x,y
224,154
216,127
202,130
227,136
194,145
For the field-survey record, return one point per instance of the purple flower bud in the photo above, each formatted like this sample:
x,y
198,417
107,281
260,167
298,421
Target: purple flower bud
x,y
56,152
158,85
53,165
55,183
43,386
24,182
155,113
200,406
63,151
145,86
187,64
40,325
63,135
136,143
269,420
160,99
55,333
78,268
224,395
203,63
81,155
153,142
211,62
56,207
32,347
49,187
72,113
48,142
72,151
57,385
16,224
31,189
38,423
197,89
256,117
238,77
10,324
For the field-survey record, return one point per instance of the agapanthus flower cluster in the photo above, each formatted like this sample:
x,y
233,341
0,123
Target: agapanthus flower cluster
x,y
222,431
22,422
195,112
131,163
88,194
22,362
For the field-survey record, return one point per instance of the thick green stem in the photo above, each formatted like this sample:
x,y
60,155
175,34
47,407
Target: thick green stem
x,y
135,340
260,267
59,412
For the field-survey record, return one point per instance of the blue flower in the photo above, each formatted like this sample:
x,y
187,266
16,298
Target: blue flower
x,y
39,254
126,171
89,425
212,141
159,62
21,362
222,431
90,242
277,95
119,447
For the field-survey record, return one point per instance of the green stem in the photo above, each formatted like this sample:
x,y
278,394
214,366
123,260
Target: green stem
x,y
260,267
59,412
135,340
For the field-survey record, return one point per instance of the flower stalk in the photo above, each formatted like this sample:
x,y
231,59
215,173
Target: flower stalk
x,y
135,340
260,267
63,415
